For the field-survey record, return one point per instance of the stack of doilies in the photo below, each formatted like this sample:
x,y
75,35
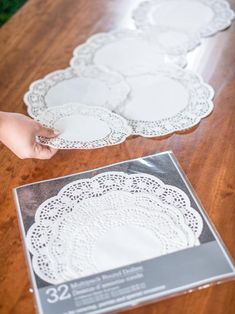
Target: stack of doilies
x,y
128,82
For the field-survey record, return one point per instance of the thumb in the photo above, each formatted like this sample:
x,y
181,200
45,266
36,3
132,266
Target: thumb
x,y
46,132
43,152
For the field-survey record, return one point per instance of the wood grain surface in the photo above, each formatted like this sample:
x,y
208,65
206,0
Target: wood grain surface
x,y
39,39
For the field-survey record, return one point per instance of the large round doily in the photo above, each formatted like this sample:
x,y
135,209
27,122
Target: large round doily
x,y
165,100
91,85
123,51
109,221
205,17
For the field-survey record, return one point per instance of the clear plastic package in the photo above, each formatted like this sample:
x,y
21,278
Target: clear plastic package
x,y
116,237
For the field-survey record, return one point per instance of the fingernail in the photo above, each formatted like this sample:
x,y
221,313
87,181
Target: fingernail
x,y
56,132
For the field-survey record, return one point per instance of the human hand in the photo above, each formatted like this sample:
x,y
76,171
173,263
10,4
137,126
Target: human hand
x,y
19,132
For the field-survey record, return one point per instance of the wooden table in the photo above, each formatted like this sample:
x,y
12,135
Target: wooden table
x,y
39,39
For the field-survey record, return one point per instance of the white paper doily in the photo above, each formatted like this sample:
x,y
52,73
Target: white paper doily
x,y
111,220
205,17
83,127
124,50
165,100
90,85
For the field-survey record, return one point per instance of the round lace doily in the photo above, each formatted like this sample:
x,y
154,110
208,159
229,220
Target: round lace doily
x,y
109,221
165,100
83,127
205,17
124,50
91,85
